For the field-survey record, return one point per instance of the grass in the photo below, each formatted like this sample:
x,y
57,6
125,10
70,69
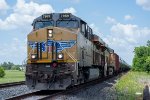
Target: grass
x,y
12,76
130,84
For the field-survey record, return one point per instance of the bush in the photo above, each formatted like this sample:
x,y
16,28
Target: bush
x,y
2,72
141,60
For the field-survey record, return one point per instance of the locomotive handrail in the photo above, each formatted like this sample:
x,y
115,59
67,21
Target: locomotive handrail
x,y
25,60
70,54
72,58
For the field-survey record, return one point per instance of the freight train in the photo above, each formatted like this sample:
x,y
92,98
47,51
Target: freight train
x,y
63,51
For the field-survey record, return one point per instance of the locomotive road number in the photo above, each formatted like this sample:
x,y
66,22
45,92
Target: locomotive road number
x,y
47,16
47,66
63,16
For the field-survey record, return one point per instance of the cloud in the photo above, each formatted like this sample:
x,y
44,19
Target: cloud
x,y
32,8
69,10
23,14
124,37
145,4
14,51
3,7
128,17
110,20
15,21
130,33
19,21
96,30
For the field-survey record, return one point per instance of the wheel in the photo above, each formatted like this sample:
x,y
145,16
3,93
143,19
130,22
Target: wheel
x,y
110,71
86,74
81,77
101,73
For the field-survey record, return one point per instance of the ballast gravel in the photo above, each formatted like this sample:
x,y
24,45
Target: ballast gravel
x,y
13,91
102,91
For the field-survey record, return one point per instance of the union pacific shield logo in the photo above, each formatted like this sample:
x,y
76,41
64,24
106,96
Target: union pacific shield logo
x,y
60,45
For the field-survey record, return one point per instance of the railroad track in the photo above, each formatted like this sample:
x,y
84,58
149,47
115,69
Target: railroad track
x,y
76,88
11,84
46,95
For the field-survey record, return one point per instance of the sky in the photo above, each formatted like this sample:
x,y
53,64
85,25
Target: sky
x,y
122,24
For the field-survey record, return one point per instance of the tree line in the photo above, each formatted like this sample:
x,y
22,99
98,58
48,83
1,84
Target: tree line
x,y
141,60
10,66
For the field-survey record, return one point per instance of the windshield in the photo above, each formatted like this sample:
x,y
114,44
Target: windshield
x,y
67,23
42,24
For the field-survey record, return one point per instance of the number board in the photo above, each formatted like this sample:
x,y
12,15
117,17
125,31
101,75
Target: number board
x,y
64,16
47,16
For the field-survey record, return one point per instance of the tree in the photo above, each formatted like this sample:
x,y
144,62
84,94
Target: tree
x,y
140,62
2,72
6,65
147,65
148,43
141,51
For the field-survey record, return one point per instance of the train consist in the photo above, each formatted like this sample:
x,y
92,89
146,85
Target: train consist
x,y
63,51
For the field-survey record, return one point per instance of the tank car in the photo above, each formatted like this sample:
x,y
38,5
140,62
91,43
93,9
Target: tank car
x,y
63,51
124,66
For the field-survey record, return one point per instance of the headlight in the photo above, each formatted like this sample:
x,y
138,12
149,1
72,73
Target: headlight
x,y
60,56
50,33
33,56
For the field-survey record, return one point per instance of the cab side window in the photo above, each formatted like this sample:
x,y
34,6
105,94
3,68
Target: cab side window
x,y
86,30
90,35
83,28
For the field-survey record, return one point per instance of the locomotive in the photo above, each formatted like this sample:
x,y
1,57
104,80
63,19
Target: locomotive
x,y
63,51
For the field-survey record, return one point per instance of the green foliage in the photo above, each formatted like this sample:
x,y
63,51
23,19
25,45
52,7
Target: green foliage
x,y
13,76
139,63
142,51
148,43
2,72
147,64
141,60
131,83
16,67
7,65
10,66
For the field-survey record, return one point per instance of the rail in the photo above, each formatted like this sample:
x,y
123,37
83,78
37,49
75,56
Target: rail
x,y
76,88
51,94
11,84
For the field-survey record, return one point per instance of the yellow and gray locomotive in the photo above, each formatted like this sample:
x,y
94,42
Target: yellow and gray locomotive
x,y
63,51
